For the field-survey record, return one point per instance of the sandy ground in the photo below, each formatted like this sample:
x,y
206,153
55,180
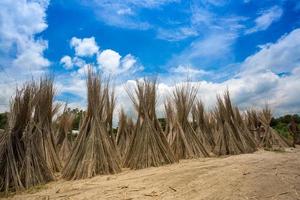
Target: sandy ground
x,y
262,175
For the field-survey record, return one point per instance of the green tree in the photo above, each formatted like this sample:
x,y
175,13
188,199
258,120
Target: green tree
x,y
78,116
280,124
3,120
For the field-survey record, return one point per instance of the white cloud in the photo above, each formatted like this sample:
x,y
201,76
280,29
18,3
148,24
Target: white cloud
x,y
200,52
266,19
66,61
32,58
19,22
84,47
214,2
281,56
21,51
124,13
186,70
7,87
150,4
112,62
109,60
176,34
79,62
200,21
84,69
128,62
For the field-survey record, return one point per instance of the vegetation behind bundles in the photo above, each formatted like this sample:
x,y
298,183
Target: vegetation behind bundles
x,y
280,124
3,120
78,114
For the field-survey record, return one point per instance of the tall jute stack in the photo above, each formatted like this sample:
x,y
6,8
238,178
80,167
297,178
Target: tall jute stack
x,y
149,146
232,136
44,111
22,163
93,152
181,135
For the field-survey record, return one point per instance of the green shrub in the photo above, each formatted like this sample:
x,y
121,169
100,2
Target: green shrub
x,y
3,120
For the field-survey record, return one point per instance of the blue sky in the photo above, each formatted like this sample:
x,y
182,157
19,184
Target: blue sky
x,y
251,47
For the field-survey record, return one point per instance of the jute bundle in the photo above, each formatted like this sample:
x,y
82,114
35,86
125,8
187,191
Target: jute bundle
x,y
181,135
202,127
41,158
149,146
232,136
12,148
270,138
93,152
65,121
247,138
42,123
254,125
110,106
124,134
175,135
22,164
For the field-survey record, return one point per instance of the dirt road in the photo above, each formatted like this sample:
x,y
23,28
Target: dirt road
x,y
262,175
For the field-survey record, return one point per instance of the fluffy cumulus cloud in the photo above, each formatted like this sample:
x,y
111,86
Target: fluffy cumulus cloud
x,y
266,19
84,47
108,60
111,61
19,22
67,62
248,91
21,51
